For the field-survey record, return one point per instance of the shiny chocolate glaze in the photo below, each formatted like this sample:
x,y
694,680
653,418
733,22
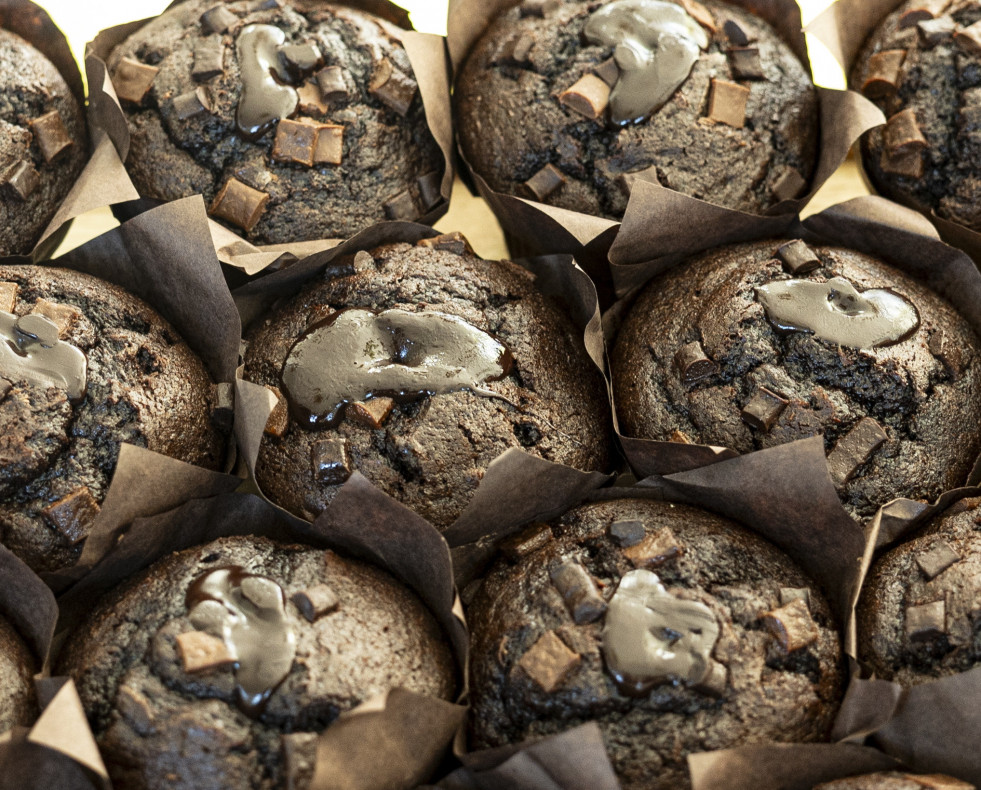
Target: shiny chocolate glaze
x,y
266,98
31,351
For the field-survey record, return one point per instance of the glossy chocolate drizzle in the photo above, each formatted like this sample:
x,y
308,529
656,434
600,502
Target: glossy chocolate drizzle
x,y
356,354
835,311
248,613
651,637
31,351
656,44
266,98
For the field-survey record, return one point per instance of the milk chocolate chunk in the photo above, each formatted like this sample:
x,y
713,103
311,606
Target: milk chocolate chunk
x,y
200,652
791,594
546,181
192,103
209,59
969,39
132,80
905,163
8,296
430,188
51,135
20,180
626,181
948,353
763,409
63,316
700,14
539,8
627,533
608,71
654,549
884,70
310,99
31,350
926,622
329,149
789,184
314,602
278,420
745,63
525,542
239,203
402,207
331,461
371,413
266,95
902,133
578,591
295,141
301,59
727,103
693,365
333,86
218,19
588,97
736,35
938,558
391,87
854,449
797,258
454,242
933,31
72,515
792,626
548,662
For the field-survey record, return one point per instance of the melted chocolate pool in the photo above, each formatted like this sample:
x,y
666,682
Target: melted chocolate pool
x,y
31,351
265,96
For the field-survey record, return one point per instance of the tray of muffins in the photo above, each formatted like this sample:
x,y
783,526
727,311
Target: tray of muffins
x,y
673,485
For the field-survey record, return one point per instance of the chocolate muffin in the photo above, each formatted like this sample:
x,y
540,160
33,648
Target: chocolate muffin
x,y
758,344
922,67
85,366
218,665
570,103
918,611
296,120
417,366
42,143
17,700
676,630
894,780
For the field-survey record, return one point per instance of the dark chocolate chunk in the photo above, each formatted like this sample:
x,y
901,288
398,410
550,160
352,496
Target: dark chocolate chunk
x,y
454,242
525,542
239,203
201,652
330,144
314,602
588,97
745,63
736,35
933,31
295,141
902,133
8,296
192,103
548,662
627,533
578,591
692,364
301,59
969,39
914,16
209,59
72,515
884,71
940,556
798,258
543,183
854,449
948,353
608,71
789,184
926,622
539,8
626,181
402,207
51,135
279,418
430,188
656,548
218,19
791,594
792,625
331,461
20,180
727,103
905,163
763,409
63,316
391,87
333,86
371,413
132,80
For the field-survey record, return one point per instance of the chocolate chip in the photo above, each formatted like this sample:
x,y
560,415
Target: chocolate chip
x,y
626,181
72,515
608,71
797,258
727,103
20,180
792,626
938,558
656,548
224,412
218,19
716,680
791,594
316,601
700,14
362,261
539,8
906,163
789,184
525,542
934,31
588,97
969,39
300,59
578,591
391,87
854,449
402,207
239,203
454,242
948,353
279,418
371,413
692,364
333,86
295,142
545,182
735,33
63,316
330,144
331,461
430,188
200,652
298,753
135,709
132,80
8,296
548,662
902,133
926,622
763,409
627,533
517,51
192,103
884,70
51,135
209,59
745,64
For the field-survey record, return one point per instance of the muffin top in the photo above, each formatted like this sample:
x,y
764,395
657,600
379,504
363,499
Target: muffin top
x,y
295,120
42,143
417,366
84,367
676,630
758,344
922,67
17,699
217,666
895,780
570,103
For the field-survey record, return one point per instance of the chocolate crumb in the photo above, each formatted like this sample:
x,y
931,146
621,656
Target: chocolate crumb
x,y
926,622
525,542
656,548
239,203
548,662
883,74
588,97
331,461
391,87
763,409
314,602
545,182
200,652
218,19
693,365
854,449
51,135
797,258
745,63
279,418
680,437
371,413
209,59
578,591
792,626
727,103
132,80
20,180
72,515
402,207
627,533
937,559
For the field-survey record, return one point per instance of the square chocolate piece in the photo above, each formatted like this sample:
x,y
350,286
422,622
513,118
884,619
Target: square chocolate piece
x,y
854,449
402,207
926,622
192,103
301,58
294,142
727,103
132,80
330,144
789,184
333,86
937,559
546,181
797,258
588,97
239,203
884,73
314,602
627,533
209,59
51,135
792,625
391,87
279,418
311,101
656,548
218,19
608,71
763,409
692,364
331,461
745,63
20,180
736,35
548,662
578,591
72,515
371,413
430,188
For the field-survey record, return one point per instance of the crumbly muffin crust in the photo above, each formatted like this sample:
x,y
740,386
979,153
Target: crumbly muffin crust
x,y
17,699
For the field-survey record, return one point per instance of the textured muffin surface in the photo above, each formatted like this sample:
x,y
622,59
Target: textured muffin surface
x,y
895,780
17,699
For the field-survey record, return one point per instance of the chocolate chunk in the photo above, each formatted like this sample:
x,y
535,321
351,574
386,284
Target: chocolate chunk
x,y
578,591
789,184
948,353
763,409
933,31
192,103
969,39
430,188
906,163
548,662
546,181
316,601
331,461
700,14
539,8
792,626
626,181
279,418
914,16
218,19
391,87
791,594
239,203
330,144
20,180
402,207
798,258
132,80
517,51
310,99
333,86
72,514
608,71
588,97
654,549
63,316
884,70
735,33
716,680
854,449
926,622
745,64
525,542
301,59
627,533
200,652
135,709
680,437
209,59
295,142
362,261
371,413
902,133
727,103
8,296
937,559
51,135
693,365
454,242
298,756
224,412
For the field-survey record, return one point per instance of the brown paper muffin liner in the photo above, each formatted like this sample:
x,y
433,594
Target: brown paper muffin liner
x,y
109,130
